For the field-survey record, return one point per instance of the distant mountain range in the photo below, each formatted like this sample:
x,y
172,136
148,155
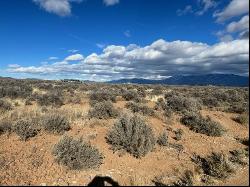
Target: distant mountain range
x,y
192,80
199,80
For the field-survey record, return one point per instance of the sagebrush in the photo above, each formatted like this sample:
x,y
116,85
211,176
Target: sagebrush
x,y
76,154
132,134
55,123
216,165
103,110
140,108
202,125
25,129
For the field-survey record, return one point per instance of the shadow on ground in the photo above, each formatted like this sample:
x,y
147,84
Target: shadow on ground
x,y
103,181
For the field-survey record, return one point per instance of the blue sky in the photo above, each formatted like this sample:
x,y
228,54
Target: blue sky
x,y
112,39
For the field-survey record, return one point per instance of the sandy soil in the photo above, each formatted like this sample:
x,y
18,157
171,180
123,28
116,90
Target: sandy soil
x,y
31,162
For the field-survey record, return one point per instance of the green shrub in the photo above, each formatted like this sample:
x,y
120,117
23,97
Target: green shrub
x,y
103,110
139,108
202,125
215,165
163,139
132,134
76,154
55,123
25,129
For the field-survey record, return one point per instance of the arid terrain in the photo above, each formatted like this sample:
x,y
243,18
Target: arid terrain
x,y
69,132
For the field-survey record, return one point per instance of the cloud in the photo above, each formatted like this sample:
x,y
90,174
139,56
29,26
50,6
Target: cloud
x,y
59,7
241,25
127,33
76,57
157,60
186,10
206,4
110,2
100,45
73,50
244,35
53,58
226,38
14,66
235,8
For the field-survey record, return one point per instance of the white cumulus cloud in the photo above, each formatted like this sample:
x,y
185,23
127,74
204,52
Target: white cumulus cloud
x,y
235,8
58,7
75,57
158,60
242,24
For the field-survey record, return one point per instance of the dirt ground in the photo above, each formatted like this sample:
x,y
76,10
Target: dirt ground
x,y
31,162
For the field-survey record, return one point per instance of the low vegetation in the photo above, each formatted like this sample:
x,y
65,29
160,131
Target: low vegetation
x,y
202,125
103,110
179,103
216,165
131,95
55,123
76,154
241,119
5,127
178,134
132,134
13,88
101,96
5,105
25,129
52,99
186,180
117,116
240,156
140,108
163,139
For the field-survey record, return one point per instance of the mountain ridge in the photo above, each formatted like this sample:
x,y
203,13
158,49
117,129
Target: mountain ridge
x,y
193,80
